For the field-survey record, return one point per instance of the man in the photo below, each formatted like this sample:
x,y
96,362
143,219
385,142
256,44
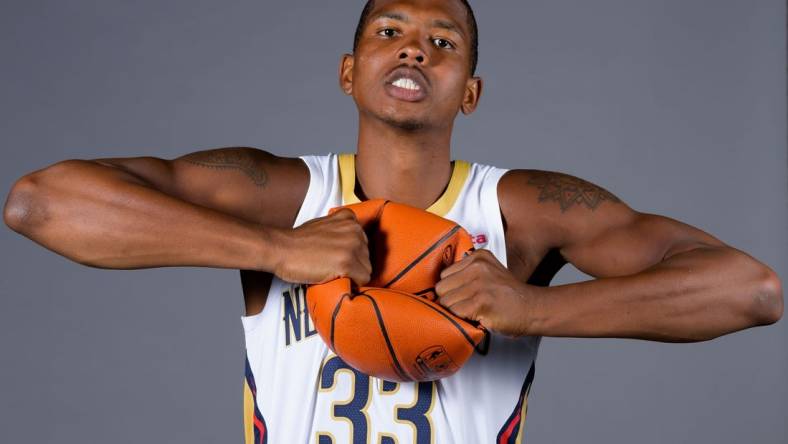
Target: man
x,y
411,72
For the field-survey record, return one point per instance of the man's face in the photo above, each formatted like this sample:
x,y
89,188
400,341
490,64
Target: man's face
x,y
411,68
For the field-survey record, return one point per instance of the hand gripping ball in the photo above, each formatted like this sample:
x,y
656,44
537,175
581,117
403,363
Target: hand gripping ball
x,y
393,328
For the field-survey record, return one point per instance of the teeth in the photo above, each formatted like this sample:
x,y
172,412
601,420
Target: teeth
x,y
406,84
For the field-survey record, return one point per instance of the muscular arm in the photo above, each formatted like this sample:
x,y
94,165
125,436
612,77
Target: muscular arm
x,y
657,278
211,208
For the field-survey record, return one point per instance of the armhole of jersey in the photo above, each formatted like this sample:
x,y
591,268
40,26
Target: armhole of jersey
x,y
311,200
492,208
314,192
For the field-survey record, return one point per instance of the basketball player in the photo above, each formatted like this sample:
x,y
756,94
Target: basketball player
x,y
412,70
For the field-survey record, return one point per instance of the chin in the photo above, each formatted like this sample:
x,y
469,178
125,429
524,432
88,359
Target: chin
x,y
407,123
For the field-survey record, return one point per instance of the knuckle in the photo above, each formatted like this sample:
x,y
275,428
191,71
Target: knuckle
x,y
359,233
476,308
345,260
476,267
349,257
337,217
472,309
482,301
348,214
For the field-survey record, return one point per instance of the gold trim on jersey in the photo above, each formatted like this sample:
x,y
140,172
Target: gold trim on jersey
x,y
248,414
389,392
459,175
390,436
523,415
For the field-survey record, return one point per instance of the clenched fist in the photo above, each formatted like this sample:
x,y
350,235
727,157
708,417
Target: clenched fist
x,y
479,288
323,249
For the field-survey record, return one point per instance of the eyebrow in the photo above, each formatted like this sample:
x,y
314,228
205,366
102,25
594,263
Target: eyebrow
x,y
437,23
391,15
449,26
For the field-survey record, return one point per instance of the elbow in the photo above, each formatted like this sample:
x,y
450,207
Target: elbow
x,y
22,206
768,304
26,204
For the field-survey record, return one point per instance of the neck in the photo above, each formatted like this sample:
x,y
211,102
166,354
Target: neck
x,y
410,167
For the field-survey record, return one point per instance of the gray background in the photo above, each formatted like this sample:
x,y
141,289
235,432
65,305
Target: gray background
x,y
678,107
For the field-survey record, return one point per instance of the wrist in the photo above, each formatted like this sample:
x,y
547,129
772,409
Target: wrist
x,y
535,314
270,248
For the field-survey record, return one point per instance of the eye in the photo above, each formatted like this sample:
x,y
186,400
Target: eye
x,y
387,32
443,43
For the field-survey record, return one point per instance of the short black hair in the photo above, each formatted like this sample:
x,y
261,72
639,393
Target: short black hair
x,y
470,18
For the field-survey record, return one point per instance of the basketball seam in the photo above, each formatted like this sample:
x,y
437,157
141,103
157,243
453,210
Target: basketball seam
x,y
383,330
380,210
455,323
423,255
334,318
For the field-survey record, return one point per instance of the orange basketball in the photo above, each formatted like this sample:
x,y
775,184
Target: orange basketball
x,y
393,328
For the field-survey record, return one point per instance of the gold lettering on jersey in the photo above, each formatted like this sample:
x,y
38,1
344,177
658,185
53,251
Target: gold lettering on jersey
x,y
295,315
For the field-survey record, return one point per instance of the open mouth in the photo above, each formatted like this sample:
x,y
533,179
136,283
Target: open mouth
x,y
406,84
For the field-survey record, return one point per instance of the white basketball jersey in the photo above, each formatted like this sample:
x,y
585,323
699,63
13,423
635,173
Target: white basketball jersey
x,y
298,391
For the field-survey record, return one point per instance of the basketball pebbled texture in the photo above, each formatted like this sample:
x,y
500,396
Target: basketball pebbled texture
x,y
392,328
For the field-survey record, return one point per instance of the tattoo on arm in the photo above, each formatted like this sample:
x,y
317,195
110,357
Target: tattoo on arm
x,y
568,190
245,160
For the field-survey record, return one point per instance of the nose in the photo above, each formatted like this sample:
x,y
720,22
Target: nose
x,y
413,51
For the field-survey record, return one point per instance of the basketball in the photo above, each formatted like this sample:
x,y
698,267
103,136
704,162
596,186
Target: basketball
x,y
393,328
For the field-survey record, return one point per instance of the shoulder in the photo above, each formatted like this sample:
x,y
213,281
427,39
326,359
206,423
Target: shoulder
x,y
556,205
564,191
255,163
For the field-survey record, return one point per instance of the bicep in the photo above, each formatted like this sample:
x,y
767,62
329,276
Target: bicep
x,y
248,183
635,242
590,227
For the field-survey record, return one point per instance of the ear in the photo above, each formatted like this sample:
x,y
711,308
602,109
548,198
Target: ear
x,y
346,73
473,90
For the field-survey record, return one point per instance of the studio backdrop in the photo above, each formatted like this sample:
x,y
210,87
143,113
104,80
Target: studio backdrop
x,y
677,107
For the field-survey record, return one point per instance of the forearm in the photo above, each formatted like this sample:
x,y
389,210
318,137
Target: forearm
x,y
692,296
104,217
